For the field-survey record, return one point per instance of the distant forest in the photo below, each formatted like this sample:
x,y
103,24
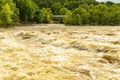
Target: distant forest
x,y
76,12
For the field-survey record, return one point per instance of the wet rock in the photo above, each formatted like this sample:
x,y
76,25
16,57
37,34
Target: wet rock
x,y
26,34
111,57
85,71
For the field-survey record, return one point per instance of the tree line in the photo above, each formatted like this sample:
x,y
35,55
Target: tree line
x,y
77,12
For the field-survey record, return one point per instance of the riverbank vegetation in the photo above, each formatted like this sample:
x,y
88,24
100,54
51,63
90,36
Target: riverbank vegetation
x,y
77,12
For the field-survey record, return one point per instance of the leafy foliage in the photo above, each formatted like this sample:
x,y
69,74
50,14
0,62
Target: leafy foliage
x,y
6,15
27,9
43,16
56,8
9,14
77,12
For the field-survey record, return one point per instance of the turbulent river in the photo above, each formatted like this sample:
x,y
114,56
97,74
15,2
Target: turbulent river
x,y
58,52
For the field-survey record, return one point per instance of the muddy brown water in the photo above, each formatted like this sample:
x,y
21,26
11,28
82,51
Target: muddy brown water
x,y
58,52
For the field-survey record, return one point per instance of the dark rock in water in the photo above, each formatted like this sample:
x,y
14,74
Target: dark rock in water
x,y
25,34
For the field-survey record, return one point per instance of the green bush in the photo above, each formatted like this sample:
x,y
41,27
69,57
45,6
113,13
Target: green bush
x,y
43,16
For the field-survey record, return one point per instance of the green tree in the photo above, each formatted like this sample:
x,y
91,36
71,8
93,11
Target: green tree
x,y
56,8
102,9
109,3
71,5
47,15
77,20
12,6
27,9
38,17
98,14
68,18
85,15
43,16
44,3
63,11
6,15
117,18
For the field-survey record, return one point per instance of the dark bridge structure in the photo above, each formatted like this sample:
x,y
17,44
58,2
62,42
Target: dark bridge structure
x,y
58,18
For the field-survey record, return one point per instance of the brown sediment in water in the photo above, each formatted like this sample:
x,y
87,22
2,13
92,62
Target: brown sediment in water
x,y
58,52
